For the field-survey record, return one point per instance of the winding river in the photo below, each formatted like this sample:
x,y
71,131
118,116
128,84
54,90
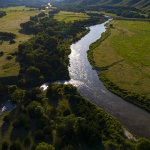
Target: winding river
x,y
88,84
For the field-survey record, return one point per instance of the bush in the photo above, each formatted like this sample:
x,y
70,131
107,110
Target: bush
x,y
33,147
16,146
47,130
16,123
6,118
39,135
5,145
27,140
12,42
9,57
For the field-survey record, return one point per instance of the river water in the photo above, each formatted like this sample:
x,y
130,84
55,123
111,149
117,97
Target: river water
x,y
88,84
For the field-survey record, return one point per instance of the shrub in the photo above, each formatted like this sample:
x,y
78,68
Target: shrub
x,y
9,57
47,130
27,140
6,118
12,41
16,123
39,135
16,146
5,145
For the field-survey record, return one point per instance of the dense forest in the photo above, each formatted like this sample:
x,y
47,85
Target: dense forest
x,y
64,120
45,56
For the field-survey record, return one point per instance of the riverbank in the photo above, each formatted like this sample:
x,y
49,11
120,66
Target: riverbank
x,y
121,58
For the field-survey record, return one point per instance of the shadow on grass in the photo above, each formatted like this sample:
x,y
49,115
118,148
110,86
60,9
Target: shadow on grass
x,y
4,128
9,80
19,133
23,32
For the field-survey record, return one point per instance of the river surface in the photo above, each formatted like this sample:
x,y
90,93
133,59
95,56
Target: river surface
x,y
88,84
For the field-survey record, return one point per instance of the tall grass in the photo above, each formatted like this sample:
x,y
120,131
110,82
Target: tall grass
x,y
130,78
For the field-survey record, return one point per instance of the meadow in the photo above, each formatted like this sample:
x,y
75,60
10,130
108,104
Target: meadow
x,y
11,23
124,57
70,16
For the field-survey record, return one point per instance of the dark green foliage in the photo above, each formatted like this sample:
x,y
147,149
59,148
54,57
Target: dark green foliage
x,y
27,140
5,145
39,135
22,120
33,71
6,118
69,147
47,130
16,146
12,41
143,144
34,18
46,54
33,147
31,108
42,14
7,36
2,13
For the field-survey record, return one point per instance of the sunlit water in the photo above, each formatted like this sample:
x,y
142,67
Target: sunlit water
x,y
88,84
5,105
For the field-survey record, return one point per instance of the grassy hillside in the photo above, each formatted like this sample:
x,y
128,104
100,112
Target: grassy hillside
x,y
70,16
124,58
140,4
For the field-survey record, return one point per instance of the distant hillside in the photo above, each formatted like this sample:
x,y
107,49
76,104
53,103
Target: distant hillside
x,y
140,4
5,3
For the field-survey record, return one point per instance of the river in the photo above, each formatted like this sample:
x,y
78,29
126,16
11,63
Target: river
x,y
88,84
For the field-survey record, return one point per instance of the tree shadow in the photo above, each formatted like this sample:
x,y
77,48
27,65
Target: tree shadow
x,y
9,80
4,128
18,133
21,31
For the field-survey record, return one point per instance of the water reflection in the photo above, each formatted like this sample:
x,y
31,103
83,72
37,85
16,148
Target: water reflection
x,y
88,84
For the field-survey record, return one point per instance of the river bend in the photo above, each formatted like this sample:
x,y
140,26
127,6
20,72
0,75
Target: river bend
x,y
88,84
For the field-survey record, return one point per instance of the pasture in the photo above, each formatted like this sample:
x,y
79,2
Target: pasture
x,y
126,54
11,23
70,16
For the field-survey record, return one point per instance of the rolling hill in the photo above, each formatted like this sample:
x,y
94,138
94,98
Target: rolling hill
x,y
139,4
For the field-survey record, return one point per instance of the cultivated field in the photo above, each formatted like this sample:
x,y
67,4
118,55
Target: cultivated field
x,y
70,16
126,54
11,23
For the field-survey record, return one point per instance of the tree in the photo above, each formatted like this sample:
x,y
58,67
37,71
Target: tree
x,y
16,146
12,88
143,144
44,146
39,135
5,145
18,95
149,15
111,25
33,71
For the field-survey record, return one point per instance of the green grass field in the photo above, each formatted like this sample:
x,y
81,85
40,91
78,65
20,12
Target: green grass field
x,y
70,16
127,52
18,8
11,23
